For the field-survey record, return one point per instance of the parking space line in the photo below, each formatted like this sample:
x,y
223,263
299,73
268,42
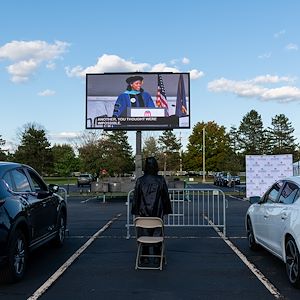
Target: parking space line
x,y
166,236
239,199
87,200
43,288
260,276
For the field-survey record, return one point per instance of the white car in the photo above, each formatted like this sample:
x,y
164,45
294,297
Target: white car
x,y
273,221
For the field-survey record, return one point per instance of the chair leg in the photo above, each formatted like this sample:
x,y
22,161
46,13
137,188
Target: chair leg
x,y
137,260
162,253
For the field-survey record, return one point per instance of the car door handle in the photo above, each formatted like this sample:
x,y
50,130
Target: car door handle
x,y
284,216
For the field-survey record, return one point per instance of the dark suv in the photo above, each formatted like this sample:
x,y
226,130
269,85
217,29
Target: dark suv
x,y
31,214
84,179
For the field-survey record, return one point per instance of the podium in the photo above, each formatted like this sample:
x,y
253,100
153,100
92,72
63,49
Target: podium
x,y
146,112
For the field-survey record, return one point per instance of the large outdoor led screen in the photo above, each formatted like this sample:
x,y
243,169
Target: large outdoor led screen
x,y
138,101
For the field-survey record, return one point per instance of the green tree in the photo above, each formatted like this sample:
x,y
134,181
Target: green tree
x,y
111,152
89,158
170,147
87,146
3,156
121,158
280,135
296,156
252,136
64,160
34,148
217,148
234,138
150,147
236,160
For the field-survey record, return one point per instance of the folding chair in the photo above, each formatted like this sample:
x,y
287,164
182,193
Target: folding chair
x,y
147,223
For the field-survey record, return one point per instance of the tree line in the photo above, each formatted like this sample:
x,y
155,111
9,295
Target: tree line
x,y
105,153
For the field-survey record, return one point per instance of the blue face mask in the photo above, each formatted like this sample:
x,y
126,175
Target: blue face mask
x,y
132,92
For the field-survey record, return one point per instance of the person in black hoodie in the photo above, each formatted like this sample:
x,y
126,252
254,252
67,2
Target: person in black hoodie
x,y
151,197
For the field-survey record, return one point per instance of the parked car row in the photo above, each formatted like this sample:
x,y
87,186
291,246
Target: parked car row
x,y
31,214
226,179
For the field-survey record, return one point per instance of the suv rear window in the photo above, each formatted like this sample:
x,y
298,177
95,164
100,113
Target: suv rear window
x,y
21,181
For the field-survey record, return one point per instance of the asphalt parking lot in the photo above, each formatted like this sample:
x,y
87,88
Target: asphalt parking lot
x,y
200,264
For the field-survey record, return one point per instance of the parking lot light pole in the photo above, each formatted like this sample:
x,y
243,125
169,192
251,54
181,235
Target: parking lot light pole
x,y
203,154
138,155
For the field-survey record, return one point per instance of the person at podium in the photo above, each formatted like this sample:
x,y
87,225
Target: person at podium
x,y
133,96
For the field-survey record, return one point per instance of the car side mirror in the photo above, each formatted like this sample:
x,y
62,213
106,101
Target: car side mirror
x,y
53,188
254,199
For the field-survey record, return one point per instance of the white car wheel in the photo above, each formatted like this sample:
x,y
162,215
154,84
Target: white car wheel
x,y
250,235
292,262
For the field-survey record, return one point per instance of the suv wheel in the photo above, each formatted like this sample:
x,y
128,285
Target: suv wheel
x,y
61,230
17,258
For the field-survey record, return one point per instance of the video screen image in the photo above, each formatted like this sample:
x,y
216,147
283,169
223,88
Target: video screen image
x,y
138,101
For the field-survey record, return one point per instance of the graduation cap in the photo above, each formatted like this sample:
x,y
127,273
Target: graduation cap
x,y
132,79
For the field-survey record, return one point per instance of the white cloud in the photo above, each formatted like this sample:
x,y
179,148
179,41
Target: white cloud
x,y
40,50
265,55
185,61
114,63
20,70
46,93
195,74
51,65
279,33
9,147
64,136
282,94
75,72
107,63
292,47
27,56
272,79
253,88
162,67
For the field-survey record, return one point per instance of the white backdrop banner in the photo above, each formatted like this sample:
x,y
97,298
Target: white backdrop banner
x,y
263,170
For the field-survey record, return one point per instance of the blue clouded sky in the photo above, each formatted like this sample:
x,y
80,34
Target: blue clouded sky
x,y
242,55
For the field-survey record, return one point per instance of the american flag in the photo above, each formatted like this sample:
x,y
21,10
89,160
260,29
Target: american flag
x,y
161,98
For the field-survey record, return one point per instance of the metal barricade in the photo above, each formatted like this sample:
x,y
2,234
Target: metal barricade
x,y
191,208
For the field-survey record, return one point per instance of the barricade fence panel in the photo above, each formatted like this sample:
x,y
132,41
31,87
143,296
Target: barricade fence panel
x,y
191,208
